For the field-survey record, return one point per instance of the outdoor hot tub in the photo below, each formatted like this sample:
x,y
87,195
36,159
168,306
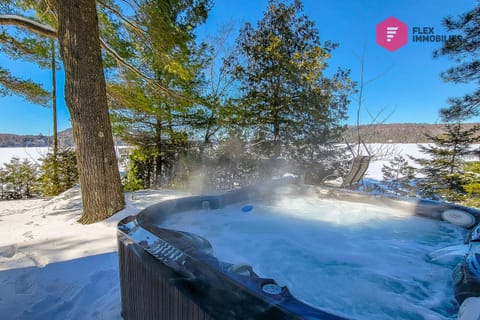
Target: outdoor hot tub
x,y
172,267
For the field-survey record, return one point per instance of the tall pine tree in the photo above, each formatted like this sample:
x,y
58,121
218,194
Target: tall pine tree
x,y
466,52
75,25
146,117
289,105
443,169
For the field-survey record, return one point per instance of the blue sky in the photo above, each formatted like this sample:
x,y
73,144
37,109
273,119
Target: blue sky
x,y
409,90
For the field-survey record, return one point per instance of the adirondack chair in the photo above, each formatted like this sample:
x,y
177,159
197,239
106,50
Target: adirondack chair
x,y
354,175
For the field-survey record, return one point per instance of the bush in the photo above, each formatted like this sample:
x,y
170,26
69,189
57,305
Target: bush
x,y
399,175
472,187
59,173
133,181
18,179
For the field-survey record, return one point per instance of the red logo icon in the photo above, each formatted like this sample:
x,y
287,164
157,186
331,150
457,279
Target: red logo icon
x,y
392,34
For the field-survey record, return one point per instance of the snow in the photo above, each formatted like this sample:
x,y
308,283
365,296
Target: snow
x,y
387,152
384,152
33,154
52,267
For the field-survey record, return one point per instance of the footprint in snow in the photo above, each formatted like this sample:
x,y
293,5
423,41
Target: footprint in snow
x,y
8,251
28,235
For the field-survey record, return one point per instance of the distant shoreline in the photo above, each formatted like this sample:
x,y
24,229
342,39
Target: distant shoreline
x,y
379,133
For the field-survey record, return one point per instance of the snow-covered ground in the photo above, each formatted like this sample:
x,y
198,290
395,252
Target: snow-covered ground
x,y
52,267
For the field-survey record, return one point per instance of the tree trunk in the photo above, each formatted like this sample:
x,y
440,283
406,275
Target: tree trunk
x,y
86,99
54,102
158,153
54,112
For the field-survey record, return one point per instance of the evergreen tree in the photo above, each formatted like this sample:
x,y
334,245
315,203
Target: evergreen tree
x,y
154,120
58,172
28,177
75,25
472,185
290,107
12,170
398,174
31,91
133,180
443,170
466,51
22,177
27,48
3,181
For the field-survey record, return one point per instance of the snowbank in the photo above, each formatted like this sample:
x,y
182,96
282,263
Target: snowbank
x,y
52,267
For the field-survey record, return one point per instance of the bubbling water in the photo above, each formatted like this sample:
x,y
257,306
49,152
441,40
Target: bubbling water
x,y
357,260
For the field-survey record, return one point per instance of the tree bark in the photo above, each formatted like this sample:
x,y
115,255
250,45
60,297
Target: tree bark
x,y
158,156
54,113
86,98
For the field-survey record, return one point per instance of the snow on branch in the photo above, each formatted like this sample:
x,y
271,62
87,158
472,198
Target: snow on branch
x,y
29,24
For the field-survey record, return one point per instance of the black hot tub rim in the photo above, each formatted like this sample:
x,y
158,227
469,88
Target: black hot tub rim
x,y
251,289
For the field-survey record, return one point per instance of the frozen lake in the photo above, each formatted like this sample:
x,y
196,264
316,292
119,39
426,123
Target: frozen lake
x,y
32,154
374,170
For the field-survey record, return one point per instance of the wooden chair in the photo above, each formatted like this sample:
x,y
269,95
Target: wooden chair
x,y
354,175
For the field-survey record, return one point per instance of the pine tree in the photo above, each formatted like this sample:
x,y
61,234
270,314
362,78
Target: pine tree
x,y
291,108
75,25
58,172
132,182
28,177
472,185
22,177
399,174
444,169
466,51
3,181
150,119
31,91
31,49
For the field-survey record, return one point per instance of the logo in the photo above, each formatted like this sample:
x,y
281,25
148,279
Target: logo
x,y
428,34
392,34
